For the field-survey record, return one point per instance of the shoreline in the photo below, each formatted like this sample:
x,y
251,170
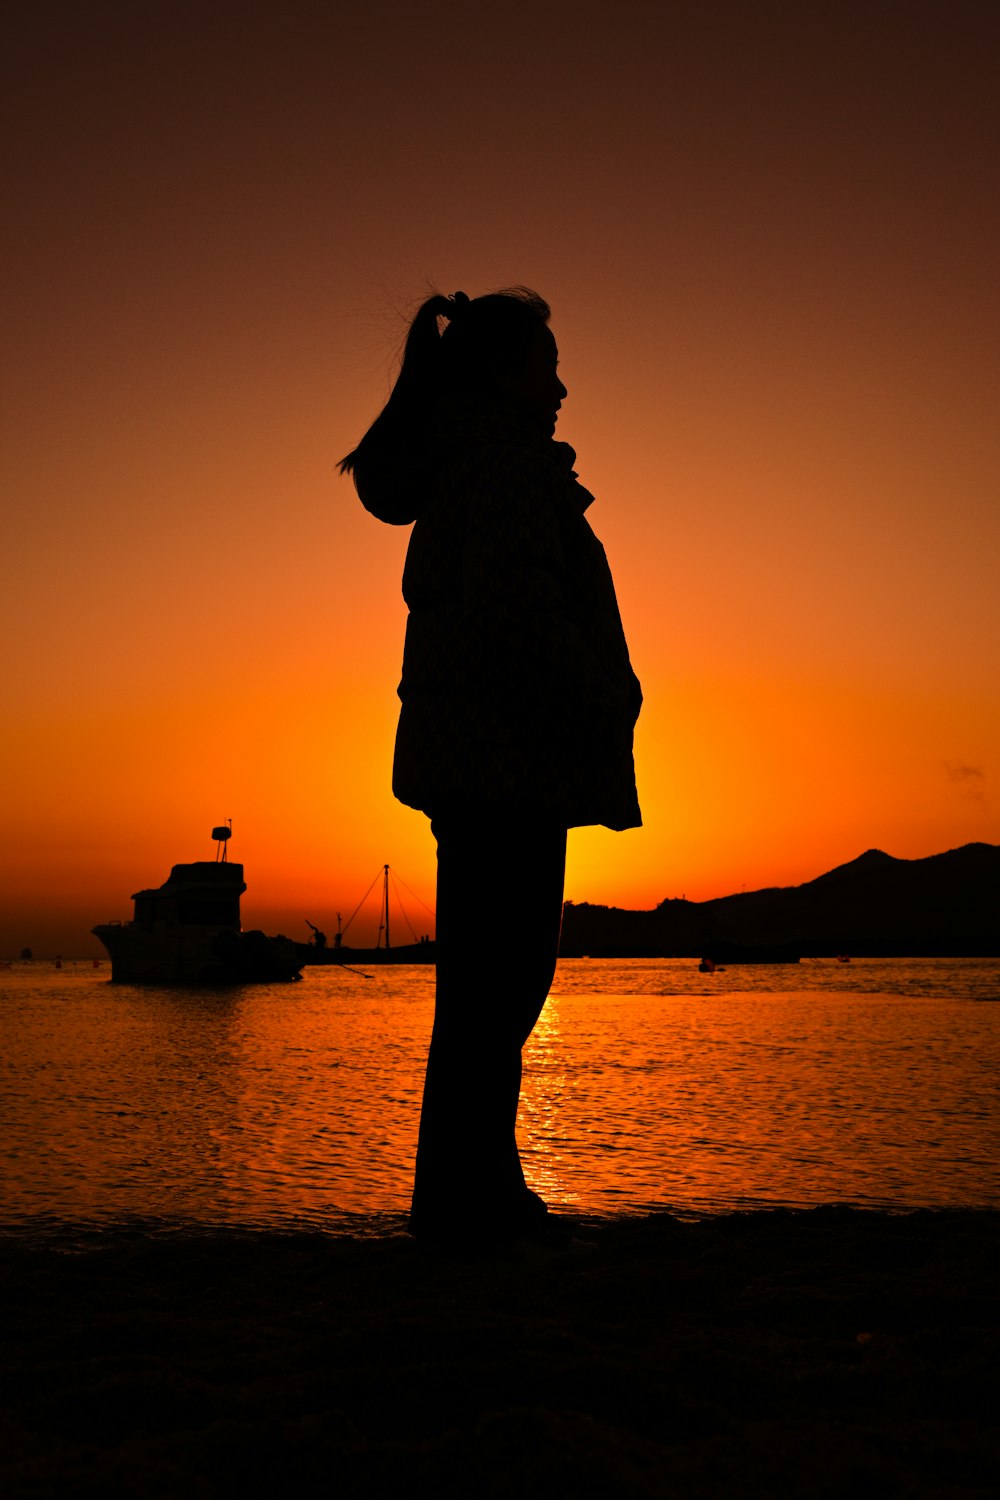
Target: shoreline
x,y
813,1352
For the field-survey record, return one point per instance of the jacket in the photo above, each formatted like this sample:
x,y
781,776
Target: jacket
x,y
517,694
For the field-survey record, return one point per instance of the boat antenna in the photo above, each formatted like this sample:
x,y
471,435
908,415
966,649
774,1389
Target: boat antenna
x,y
221,835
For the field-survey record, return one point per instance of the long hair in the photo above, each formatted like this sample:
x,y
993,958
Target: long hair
x,y
484,340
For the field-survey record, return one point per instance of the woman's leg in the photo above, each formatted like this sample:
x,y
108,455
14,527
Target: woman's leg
x,y
499,909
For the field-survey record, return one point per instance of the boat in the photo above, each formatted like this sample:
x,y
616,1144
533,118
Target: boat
x,y
319,951
187,931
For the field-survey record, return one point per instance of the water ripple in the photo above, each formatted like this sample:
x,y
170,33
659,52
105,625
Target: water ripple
x,y
645,1087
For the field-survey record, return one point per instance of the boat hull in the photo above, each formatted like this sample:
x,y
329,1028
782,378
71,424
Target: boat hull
x,y
196,958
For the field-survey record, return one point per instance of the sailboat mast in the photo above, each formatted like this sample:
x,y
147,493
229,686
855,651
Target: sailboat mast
x,y
385,899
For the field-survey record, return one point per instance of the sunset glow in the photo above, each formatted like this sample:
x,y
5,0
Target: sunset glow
x,y
769,239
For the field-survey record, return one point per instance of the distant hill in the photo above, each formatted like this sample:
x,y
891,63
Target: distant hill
x,y
947,905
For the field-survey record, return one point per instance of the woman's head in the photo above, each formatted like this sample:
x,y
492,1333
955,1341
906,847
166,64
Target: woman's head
x,y
487,341
492,349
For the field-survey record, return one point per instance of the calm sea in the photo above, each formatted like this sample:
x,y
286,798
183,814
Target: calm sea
x,y
647,1084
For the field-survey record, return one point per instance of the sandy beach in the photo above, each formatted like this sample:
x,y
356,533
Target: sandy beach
x,y
823,1352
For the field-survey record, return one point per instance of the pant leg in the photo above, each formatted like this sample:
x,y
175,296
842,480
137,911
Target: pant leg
x,y
499,910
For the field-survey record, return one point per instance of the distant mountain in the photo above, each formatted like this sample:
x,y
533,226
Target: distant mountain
x,y
947,905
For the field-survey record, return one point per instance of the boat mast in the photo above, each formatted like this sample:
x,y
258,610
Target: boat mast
x,y
385,905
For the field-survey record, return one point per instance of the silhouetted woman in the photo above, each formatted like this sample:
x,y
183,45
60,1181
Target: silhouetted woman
x,y
518,705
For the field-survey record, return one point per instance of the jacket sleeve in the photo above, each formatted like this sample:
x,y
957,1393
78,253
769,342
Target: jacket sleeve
x,y
531,598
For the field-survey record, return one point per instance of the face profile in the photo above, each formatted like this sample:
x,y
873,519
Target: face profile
x,y
536,388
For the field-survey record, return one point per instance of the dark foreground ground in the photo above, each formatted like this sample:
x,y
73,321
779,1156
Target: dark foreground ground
x,y
810,1354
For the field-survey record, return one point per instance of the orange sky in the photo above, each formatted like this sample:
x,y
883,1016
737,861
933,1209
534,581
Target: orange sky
x,y
768,233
